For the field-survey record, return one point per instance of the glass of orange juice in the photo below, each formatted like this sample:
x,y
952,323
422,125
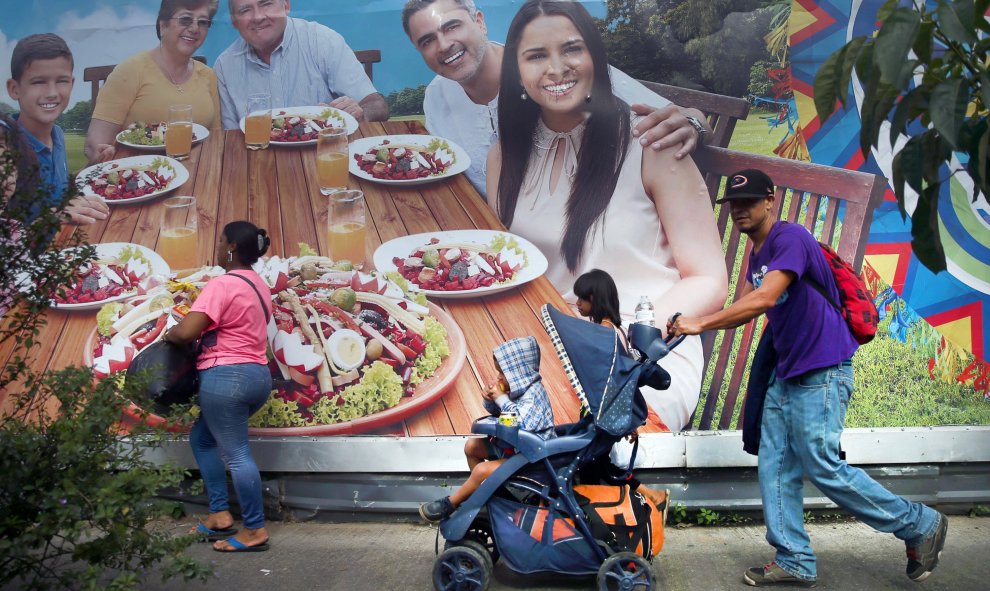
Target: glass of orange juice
x,y
178,242
331,159
258,124
178,134
346,228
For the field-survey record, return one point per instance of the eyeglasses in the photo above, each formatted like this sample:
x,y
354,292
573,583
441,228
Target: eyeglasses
x,y
187,21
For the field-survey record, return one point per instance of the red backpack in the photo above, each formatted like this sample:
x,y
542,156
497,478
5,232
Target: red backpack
x,y
855,303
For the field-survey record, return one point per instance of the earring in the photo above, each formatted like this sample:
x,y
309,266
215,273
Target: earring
x,y
587,99
230,256
523,95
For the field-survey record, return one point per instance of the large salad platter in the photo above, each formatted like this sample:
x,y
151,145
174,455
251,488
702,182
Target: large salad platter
x,y
462,263
406,159
132,180
299,126
350,351
150,137
120,270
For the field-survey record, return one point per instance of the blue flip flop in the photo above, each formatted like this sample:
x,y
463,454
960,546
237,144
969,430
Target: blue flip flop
x,y
240,547
213,535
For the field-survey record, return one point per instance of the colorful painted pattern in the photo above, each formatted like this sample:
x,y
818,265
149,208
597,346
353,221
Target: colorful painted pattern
x,y
957,302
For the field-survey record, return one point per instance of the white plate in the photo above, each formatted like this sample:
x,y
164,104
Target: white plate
x,y
359,146
350,123
403,246
200,133
109,250
181,176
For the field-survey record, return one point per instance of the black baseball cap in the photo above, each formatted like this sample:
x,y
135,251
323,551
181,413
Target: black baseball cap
x,y
747,184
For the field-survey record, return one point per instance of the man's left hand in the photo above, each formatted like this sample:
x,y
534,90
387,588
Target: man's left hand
x,y
86,209
349,106
684,325
665,128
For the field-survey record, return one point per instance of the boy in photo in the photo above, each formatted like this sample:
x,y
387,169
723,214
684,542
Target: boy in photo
x,y
41,82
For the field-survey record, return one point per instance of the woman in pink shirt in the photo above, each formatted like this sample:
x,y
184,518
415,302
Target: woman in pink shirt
x,y
230,318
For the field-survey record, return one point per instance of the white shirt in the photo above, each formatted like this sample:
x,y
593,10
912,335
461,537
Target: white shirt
x,y
312,65
451,114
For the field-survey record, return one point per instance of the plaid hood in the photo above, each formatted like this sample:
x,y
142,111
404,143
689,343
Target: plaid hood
x,y
519,360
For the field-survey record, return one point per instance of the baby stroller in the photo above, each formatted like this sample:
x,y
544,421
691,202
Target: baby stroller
x,y
529,512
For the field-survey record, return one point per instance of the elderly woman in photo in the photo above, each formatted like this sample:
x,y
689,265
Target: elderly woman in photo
x,y
142,87
565,159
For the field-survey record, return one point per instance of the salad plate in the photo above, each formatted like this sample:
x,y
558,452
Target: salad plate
x,y
119,271
132,180
351,351
299,126
150,137
462,263
406,159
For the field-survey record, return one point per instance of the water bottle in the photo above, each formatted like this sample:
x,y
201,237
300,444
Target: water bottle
x,y
644,312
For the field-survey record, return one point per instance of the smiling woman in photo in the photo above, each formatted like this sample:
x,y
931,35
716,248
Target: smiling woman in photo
x,y
566,159
142,87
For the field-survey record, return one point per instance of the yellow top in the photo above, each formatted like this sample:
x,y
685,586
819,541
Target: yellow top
x,y
137,90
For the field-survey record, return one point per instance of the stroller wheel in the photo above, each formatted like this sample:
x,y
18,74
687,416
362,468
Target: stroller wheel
x,y
481,532
469,542
465,567
625,571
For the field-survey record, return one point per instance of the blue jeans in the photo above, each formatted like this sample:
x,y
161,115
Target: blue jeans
x,y
228,395
802,423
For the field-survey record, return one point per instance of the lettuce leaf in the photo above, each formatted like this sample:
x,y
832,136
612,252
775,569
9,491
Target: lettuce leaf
x,y
380,388
437,348
107,315
416,296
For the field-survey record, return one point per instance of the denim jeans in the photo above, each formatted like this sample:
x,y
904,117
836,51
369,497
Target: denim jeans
x,y
802,423
228,395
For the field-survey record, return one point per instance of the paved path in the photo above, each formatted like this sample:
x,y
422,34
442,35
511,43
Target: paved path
x,y
399,556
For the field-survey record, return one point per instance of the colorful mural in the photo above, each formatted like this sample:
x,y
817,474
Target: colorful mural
x,y
957,302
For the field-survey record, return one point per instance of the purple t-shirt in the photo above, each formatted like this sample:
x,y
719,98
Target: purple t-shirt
x,y
808,332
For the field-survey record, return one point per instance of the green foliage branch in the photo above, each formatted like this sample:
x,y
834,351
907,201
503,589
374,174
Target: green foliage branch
x,y
929,67
77,502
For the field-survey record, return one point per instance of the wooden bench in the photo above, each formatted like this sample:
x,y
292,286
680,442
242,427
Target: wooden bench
x,y
722,111
836,204
97,75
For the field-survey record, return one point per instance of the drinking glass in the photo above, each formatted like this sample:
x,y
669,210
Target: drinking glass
x,y
178,242
346,228
258,124
178,134
331,159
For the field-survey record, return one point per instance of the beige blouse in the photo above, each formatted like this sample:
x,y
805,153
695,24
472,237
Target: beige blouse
x,y
627,242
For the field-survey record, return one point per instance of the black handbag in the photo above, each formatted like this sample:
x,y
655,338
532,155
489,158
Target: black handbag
x,y
170,375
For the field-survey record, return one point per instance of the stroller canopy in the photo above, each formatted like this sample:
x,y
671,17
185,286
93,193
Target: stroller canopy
x,y
605,379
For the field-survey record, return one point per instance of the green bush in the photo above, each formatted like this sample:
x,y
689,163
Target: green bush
x,y
78,505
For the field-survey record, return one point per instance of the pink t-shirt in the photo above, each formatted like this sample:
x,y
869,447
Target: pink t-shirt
x,y
237,332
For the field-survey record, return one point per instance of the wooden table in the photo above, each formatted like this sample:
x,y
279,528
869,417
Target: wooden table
x,y
277,189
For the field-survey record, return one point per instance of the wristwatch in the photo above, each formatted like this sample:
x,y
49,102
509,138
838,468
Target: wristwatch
x,y
698,126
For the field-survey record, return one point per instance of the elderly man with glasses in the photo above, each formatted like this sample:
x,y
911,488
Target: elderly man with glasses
x,y
297,62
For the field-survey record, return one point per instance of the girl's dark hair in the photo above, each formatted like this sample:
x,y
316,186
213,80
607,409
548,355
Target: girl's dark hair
x,y
603,147
250,240
596,286
168,9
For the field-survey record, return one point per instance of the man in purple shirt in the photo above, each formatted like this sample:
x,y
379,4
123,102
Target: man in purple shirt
x,y
806,402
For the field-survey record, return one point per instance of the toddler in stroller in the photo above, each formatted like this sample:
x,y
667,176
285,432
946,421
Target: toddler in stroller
x,y
519,390
529,513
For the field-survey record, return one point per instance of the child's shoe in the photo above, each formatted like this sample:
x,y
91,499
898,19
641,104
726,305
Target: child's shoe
x,y
436,511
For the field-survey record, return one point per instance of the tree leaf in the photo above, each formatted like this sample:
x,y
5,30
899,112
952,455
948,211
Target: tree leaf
x,y
853,49
904,113
894,41
948,108
886,9
925,241
906,168
827,85
979,162
985,89
956,20
935,151
923,42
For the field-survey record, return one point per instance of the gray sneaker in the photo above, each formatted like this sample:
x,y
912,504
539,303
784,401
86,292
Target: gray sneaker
x,y
772,574
923,559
